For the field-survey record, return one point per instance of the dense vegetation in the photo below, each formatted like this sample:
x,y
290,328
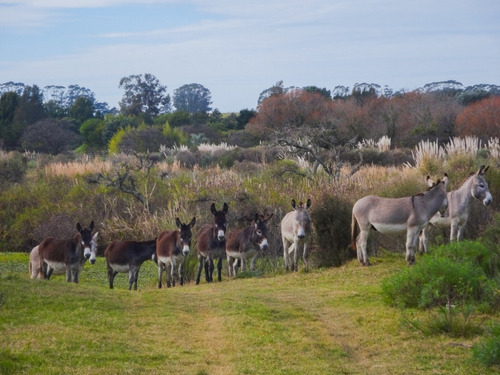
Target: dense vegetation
x,y
134,171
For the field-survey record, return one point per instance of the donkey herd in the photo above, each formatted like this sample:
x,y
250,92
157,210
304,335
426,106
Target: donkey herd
x,y
412,215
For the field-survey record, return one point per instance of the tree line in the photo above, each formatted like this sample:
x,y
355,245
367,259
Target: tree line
x,y
309,120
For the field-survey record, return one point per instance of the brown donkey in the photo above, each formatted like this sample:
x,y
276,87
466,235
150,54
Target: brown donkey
x,y
36,271
128,256
211,243
172,246
57,255
246,243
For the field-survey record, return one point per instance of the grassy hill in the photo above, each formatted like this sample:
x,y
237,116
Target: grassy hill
x,y
329,321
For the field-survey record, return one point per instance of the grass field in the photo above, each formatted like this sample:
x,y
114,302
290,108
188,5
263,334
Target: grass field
x,y
329,321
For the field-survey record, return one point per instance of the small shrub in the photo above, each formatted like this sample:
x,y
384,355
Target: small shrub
x,y
440,280
487,351
12,168
332,221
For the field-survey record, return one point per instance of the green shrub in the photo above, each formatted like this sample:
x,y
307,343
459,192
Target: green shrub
x,y
332,221
440,280
12,168
487,351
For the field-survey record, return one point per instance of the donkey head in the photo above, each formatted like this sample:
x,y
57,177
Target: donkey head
x,y
302,222
479,188
260,231
89,249
184,238
220,221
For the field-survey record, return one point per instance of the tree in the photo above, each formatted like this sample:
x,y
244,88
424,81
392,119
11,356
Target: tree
x,y
275,90
91,131
326,93
82,109
9,102
144,97
481,119
244,118
28,110
193,98
50,136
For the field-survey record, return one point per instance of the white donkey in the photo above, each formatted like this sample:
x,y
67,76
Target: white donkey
x,y
396,215
296,233
459,204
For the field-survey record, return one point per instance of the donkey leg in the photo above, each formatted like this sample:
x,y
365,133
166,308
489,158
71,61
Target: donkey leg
x,y
423,240
211,268
136,277
131,273
181,272
229,266
286,257
305,255
361,242
160,273
111,277
461,230
201,262
411,244
296,248
454,230
219,269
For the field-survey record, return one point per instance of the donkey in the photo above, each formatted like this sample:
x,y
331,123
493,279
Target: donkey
x,y
459,204
172,246
58,255
36,271
396,215
211,243
246,243
128,256
296,233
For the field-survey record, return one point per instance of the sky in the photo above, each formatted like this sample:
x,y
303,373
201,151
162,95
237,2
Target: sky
x,y
237,49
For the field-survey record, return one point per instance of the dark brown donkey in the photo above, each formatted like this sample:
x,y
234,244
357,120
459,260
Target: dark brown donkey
x,y
211,243
128,256
56,255
171,248
246,243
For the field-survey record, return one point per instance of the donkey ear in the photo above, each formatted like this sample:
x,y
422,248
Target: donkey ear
x,y
481,170
92,225
267,218
429,181
79,227
193,222
308,203
94,237
225,208
212,209
178,222
446,180
484,170
294,204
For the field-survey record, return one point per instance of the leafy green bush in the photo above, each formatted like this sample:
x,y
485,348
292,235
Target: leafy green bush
x,y
12,168
332,220
487,351
441,279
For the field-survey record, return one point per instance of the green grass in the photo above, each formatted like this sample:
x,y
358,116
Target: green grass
x,y
330,321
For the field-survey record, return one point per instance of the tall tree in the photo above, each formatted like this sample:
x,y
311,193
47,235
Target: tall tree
x,y
144,97
481,119
193,98
82,109
8,105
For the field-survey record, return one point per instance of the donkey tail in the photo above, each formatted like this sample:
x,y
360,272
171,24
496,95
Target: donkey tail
x,y
354,232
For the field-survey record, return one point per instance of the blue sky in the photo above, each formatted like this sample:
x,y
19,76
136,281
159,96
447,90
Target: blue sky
x,y
237,49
